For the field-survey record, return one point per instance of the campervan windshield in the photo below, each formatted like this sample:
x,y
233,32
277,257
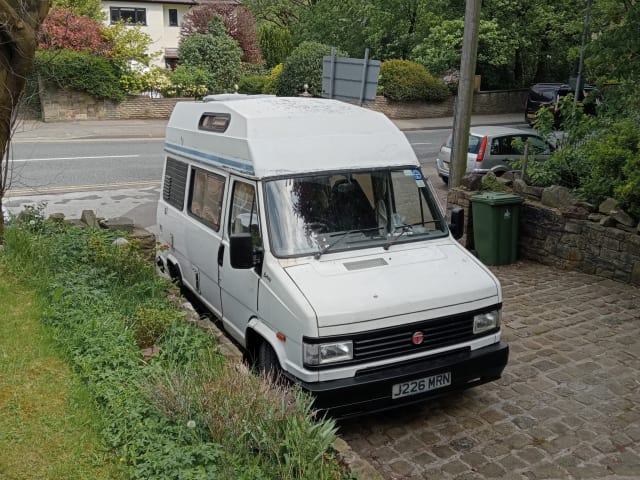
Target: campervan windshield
x,y
316,214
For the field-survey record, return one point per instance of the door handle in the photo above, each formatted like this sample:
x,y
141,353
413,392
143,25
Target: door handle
x,y
220,254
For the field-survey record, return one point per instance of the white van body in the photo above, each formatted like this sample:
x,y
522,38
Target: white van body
x,y
355,287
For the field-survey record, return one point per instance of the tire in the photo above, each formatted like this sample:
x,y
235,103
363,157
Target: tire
x,y
444,179
267,361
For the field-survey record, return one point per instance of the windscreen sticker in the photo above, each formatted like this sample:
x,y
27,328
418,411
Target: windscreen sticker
x,y
420,183
417,175
407,173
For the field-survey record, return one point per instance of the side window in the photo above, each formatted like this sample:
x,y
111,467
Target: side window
x,y
175,183
244,211
205,201
537,146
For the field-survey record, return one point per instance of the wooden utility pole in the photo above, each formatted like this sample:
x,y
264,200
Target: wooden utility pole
x,y
465,92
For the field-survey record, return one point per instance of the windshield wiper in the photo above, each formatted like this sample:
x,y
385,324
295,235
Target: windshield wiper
x,y
405,228
324,250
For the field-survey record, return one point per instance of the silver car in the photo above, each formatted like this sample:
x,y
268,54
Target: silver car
x,y
494,149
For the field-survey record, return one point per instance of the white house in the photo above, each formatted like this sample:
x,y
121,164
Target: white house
x,y
160,19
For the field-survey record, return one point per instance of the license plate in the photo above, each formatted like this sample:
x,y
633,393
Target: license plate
x,y
421,385
445,165
531,115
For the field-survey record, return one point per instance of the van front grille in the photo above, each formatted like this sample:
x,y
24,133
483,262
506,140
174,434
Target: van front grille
x,y
397,341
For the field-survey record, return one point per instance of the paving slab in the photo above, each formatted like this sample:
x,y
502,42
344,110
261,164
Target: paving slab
x,y
567,406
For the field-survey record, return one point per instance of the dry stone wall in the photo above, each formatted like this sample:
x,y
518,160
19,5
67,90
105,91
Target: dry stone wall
x,y
570,238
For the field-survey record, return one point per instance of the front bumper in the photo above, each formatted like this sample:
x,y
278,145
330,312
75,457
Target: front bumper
x,y
370,390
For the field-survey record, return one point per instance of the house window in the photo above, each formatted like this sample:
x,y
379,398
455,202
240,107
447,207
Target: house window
x,y
130,15
173,17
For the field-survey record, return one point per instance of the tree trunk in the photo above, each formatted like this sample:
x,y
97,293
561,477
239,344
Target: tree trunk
x,y
19,23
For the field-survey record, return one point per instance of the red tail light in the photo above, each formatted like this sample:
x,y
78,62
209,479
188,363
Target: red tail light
x,y
483,146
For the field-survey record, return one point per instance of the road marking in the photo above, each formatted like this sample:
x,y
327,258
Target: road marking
x,y
24,160
44,190
421,143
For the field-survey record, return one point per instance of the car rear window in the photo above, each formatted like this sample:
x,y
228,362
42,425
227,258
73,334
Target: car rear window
x,y
474,143
539,94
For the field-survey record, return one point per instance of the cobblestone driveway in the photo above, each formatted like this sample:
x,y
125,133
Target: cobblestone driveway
x,y
567,406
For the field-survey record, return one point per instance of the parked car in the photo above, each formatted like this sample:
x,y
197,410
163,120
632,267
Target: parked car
x,y
549,94
493,149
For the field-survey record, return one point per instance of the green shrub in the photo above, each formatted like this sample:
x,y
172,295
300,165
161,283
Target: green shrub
x,y
187,81
304,66
81,71
271,83
275,43
596,157
403,80
214,52
252,85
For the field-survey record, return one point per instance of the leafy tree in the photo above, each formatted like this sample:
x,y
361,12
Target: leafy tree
x,y
614,50
82,8
214,52
239,24
283,13
127,43
442,49
275,43
19,31
64,29
389,28
304,66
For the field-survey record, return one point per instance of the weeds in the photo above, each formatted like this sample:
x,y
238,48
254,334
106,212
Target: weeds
x,y
186,413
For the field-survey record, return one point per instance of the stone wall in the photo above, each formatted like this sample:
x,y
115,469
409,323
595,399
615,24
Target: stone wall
x,y
65,105
567,239
485,103
60,105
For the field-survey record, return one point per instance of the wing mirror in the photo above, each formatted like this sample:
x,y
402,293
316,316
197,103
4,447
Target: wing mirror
x,y
457,222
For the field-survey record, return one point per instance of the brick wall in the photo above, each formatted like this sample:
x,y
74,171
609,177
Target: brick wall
x,y
549,236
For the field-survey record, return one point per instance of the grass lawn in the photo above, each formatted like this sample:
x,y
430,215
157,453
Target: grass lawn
x,y
47,427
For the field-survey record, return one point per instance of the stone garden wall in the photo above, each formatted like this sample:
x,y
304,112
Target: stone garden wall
x,y
555,230
58,105
484,103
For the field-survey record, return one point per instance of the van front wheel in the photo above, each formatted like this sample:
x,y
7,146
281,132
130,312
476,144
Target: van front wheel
x,y
267,361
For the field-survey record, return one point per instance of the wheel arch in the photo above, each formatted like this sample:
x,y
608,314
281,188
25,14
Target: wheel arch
x,y
256,333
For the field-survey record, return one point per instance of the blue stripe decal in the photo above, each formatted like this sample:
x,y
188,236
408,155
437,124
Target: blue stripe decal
x,y
209,158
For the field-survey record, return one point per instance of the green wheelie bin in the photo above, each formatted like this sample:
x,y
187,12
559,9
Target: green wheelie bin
x,y
495,226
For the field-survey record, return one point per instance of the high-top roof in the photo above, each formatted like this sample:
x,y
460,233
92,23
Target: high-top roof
x,y
271,136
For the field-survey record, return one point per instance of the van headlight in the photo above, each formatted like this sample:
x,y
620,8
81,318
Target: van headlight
x,y
484,322
323,353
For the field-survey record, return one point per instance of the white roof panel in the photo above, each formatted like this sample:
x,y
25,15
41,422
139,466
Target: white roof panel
x,y
270,136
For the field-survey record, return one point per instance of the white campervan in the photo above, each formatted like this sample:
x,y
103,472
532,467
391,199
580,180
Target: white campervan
x,y
307,227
